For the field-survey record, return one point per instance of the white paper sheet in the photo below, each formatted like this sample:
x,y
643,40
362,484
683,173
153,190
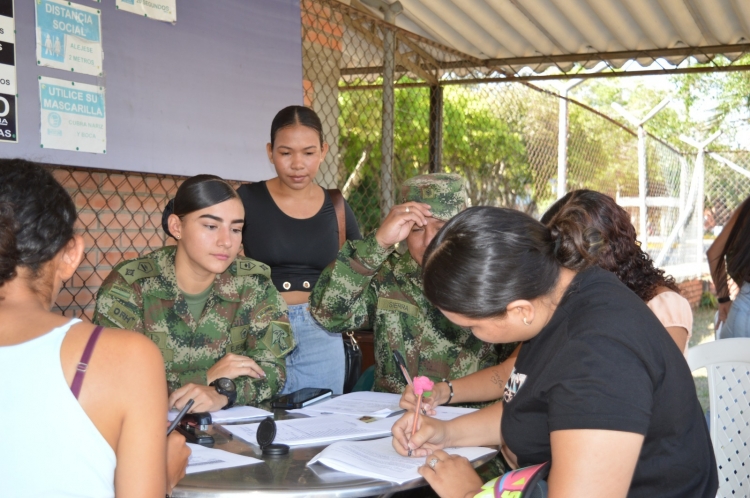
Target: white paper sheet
x,y
356,404
203,459
231,415
301,431
378,459
442,413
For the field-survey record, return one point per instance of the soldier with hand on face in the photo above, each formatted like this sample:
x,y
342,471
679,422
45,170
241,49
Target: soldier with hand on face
x,y
374,286
219,322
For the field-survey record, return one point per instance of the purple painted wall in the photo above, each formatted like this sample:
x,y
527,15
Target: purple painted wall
x,y
196,97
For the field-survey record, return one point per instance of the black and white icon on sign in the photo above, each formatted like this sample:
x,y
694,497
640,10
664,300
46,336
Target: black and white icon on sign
x,y
7,118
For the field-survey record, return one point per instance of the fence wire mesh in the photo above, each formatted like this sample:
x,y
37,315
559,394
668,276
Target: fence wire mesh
x,y
502,137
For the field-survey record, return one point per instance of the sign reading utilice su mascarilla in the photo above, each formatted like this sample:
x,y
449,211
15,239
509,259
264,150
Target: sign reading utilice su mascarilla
x,y
73,116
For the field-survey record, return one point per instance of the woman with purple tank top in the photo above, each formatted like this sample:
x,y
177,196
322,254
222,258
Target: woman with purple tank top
x,y
92,402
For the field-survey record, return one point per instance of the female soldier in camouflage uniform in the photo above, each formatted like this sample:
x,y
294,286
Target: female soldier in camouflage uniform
x,y
374,286
218,320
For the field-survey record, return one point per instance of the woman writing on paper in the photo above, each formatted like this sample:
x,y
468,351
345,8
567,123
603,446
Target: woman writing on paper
x,y
599,388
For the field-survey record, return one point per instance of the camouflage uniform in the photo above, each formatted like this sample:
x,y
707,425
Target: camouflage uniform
x,y
369,287
244,314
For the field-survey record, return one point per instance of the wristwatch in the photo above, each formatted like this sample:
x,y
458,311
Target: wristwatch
x,y
724,299
227,388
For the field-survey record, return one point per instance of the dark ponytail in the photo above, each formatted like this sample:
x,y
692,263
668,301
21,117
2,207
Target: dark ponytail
x,y
590,229
293,115
487,257
196,193
37,217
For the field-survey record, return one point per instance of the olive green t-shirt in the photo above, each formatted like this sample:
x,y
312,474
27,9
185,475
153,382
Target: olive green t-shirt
x,y
196,302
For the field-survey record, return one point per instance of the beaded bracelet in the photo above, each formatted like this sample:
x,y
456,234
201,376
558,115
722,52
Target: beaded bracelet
x,y
450,398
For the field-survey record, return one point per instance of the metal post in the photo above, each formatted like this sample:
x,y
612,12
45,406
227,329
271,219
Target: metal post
x,y
700,200
562,132
642,189
390,11
387,131
436,128
642,165
562,146
699,207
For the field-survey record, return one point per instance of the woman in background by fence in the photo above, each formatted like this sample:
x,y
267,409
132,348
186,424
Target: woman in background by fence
x,y
292,225
730,254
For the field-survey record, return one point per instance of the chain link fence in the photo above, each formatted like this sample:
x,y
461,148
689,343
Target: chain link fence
x,y
448,115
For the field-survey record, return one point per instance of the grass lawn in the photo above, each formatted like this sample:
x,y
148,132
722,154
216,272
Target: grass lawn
x,y
703,331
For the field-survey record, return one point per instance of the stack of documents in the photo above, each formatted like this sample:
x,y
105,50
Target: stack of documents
x,y
316,430
231,415
378,459
203,459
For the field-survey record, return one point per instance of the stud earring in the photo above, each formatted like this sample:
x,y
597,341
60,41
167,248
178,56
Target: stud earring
x,y
178,238
525,322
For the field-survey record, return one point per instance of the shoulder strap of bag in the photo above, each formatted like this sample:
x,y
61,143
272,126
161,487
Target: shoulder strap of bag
x,y
338,205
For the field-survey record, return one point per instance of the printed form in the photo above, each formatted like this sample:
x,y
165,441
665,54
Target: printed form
x,y
378,459
203,459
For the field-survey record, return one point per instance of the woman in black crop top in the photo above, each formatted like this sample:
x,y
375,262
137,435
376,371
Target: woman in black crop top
x,y
291,225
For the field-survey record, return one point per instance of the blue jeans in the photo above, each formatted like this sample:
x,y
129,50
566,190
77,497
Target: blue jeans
x,y
738,320
318,359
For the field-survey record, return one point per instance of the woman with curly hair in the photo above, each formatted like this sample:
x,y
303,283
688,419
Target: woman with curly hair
x,y
592,230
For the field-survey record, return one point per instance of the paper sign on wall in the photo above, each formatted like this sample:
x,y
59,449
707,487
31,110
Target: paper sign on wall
x,y
73,116
8,82
161,10
68,36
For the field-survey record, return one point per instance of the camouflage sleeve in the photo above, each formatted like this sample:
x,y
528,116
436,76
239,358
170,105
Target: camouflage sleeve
x,y
269,340
118,304
345,297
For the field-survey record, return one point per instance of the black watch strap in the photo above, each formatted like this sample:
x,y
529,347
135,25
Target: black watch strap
x,y
724,299
231,395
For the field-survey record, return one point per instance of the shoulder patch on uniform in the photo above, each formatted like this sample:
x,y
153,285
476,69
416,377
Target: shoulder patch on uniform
x,y
121,315
400,306
138,269
249,266
279,339
124,293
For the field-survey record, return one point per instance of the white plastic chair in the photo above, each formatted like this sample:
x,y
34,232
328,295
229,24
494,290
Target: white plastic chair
x,y
727,362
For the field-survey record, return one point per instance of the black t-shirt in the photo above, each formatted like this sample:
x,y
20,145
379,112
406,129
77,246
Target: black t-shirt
x,y
604,361
297,250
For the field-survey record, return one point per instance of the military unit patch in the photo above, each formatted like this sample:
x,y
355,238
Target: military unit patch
x,y
138,269
251,267
122,316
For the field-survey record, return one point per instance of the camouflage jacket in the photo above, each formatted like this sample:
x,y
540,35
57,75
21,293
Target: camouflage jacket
x,y
371,288
244,314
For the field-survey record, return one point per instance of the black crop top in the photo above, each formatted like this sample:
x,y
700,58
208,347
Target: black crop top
x,y
297,250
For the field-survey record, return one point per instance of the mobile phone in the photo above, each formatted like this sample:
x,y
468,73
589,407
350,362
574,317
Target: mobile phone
x,y
197,436
301,398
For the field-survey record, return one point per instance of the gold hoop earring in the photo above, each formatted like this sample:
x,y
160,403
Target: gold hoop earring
x,y
525,322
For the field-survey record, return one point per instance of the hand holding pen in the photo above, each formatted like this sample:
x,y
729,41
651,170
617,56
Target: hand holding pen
x,y
180,416
402,366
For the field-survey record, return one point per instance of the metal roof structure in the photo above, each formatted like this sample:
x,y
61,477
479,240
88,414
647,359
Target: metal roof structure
x,y
539,39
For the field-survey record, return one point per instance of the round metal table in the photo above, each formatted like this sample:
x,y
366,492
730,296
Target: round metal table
x,y
284,477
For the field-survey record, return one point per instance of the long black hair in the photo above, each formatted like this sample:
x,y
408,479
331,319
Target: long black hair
x,y
37,217
195,193
737,248
485,258
296,114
